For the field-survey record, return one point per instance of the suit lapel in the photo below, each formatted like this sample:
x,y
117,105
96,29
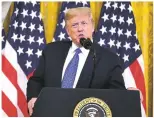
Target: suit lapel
x,y
60,62
86,74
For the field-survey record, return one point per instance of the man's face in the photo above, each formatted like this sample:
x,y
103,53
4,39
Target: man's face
x,y
78,27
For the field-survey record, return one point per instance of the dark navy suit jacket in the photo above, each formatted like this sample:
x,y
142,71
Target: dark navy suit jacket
x,y
107,74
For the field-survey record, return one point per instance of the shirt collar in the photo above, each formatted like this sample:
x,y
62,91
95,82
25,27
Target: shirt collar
x,y
83,50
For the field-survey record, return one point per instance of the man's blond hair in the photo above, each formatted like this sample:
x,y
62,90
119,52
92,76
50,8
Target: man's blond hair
x,y
78,11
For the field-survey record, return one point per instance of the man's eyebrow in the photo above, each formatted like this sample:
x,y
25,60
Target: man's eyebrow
x,y
84,22
75,23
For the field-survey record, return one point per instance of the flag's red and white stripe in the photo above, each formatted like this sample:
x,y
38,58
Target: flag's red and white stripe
x,y
14,82
134,77
3,113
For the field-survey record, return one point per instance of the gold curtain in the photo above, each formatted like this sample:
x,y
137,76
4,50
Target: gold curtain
x,y
143,12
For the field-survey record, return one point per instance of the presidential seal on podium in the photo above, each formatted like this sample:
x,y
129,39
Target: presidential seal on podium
x,y
92,107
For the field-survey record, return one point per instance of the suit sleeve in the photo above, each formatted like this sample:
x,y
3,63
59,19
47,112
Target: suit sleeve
x,y
36,82
116,80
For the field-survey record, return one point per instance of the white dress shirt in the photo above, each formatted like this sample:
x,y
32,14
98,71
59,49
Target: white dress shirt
x,y
82,58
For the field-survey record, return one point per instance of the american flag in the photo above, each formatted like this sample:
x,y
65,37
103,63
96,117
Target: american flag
x,y
117,32
24,44
3,40
60,33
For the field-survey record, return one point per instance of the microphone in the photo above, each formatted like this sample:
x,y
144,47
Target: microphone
x,y
86,43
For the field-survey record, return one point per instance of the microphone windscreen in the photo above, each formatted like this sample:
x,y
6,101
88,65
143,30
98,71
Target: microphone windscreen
x,y
86,43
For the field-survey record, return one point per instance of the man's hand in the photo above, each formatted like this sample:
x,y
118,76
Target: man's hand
x,y
132,88
31,105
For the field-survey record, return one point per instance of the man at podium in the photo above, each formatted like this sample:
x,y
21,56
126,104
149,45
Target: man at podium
x,y
70,64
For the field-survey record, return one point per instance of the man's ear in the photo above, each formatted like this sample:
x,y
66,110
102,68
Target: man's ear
x,y
93,29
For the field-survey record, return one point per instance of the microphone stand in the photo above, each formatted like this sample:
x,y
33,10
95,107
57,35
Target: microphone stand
x,y
94,65
87,44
